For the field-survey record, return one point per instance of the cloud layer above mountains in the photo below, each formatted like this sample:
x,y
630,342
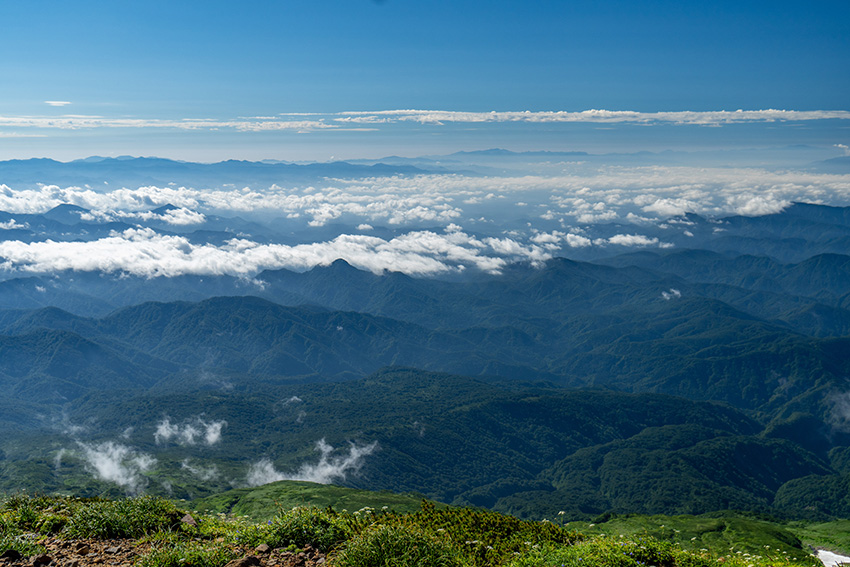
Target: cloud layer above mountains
x,y
144,252
421,225
589,194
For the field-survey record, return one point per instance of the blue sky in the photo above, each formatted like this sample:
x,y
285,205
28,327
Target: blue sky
x,y
228,61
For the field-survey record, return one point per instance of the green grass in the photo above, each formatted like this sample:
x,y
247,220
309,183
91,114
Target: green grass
x,y
719,533
623,552
126,518
397,546
430,536
23,543
188,554
263,502
834,536
483,536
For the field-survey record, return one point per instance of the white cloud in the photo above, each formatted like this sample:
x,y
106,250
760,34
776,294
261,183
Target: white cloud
x,y
577,241
601,195
57,459
839,414
57,102
646,195
191,432
84,122
548,238
757,205
201,472
634,240
179,216
12,224
672,294
144,252
668,207
593,218
20,135
328,469
212,432
385,201
118,464
263,472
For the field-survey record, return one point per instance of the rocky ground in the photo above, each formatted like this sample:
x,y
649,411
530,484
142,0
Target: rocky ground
x,y
126,553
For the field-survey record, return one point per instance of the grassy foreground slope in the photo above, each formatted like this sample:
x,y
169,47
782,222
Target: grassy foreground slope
x,y
834,535
450,537
718,532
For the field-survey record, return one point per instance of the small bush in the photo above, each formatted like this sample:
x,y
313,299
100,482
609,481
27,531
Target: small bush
x,y
395,546
51,523
21,512
321,529
484,537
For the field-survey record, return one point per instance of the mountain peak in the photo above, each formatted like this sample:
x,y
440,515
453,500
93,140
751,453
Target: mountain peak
x,y
338,266
66,214
164,209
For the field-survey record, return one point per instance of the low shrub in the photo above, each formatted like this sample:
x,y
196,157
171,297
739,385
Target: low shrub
x,y
321,529
484,537
397,546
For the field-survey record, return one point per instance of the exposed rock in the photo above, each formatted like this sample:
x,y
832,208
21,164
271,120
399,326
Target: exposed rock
x,y
11,555
249,561
126,553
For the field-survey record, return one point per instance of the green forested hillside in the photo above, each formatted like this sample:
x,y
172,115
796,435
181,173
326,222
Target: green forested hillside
x,y
689,346
530,450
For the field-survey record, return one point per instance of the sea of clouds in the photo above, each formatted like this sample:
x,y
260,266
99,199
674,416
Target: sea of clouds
x,y
420,225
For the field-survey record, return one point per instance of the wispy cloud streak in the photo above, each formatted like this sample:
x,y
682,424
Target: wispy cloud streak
x,y
358,120
328,469
593,116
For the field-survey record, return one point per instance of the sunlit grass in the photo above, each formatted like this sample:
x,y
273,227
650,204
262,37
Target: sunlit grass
x,y
444,537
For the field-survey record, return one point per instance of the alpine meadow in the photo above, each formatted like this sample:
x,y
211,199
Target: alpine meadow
x,y
382,283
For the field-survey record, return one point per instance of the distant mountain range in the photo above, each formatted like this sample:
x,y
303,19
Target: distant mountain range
x,y
133,171
141,171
